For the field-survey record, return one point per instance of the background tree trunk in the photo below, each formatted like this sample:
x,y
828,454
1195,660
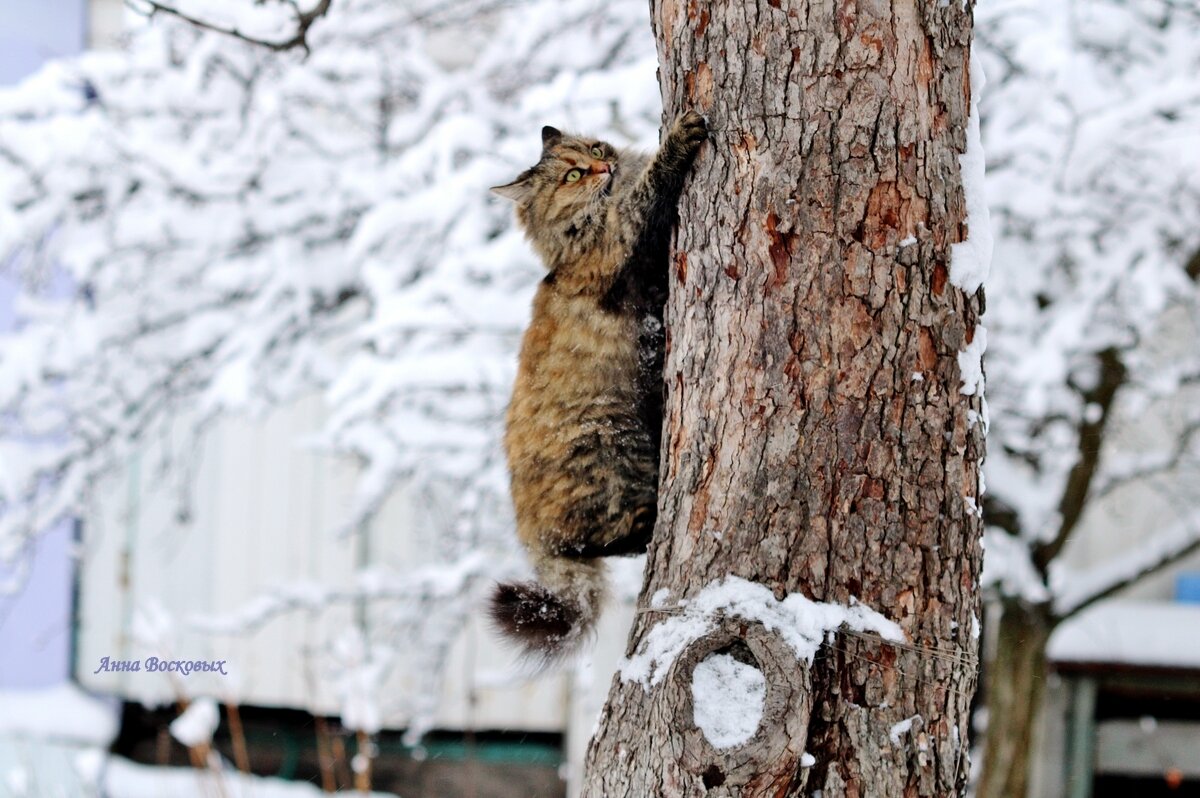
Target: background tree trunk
x,y
1016,681
802,451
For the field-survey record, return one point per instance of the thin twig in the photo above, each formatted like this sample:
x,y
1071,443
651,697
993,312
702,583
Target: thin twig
x,y
241,755
304,21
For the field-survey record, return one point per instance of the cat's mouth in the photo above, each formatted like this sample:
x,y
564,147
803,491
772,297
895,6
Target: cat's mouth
x,y
606,189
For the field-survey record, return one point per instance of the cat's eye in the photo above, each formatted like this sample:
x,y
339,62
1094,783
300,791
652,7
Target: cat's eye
x,y
574,175
597,152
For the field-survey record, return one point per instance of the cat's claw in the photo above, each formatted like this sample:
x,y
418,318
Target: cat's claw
x,y
689,131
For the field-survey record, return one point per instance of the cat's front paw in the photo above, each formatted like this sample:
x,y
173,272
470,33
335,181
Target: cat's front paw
x,y
688,132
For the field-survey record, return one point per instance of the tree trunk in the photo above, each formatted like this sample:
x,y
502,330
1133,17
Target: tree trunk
x,y
1015,684
815,438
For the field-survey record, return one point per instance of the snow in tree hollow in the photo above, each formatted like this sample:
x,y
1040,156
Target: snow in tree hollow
x,y
728,697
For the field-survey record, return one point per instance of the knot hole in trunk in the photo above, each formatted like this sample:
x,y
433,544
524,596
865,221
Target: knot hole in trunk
x,y
740,699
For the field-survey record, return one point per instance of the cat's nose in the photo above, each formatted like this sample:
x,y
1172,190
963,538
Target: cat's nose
x,y
602,168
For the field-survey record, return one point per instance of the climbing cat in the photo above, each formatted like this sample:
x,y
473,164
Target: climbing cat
x,y
584,424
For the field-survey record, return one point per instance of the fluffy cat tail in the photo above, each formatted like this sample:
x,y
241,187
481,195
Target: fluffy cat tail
x,y
549,618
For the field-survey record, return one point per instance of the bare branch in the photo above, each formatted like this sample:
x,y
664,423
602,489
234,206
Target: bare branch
x,y
304,21
1164,464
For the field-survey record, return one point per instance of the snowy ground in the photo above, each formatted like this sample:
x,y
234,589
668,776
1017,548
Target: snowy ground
x,y
53,744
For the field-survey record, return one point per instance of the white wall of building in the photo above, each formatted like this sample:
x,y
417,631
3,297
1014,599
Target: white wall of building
x,y
263,516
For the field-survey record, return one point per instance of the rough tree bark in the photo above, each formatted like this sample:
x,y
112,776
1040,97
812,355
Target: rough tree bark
x,y
801,449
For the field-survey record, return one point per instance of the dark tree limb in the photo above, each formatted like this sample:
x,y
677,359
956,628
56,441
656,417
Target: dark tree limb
x,y
1001,514
304,21
1090,442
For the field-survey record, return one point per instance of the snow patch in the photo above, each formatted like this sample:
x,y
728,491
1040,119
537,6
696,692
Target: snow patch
x,y
801,622
124,779
197,723
18,781
728,698
358,677
1008,567
807,760
970,364
901,728
57,713
1154,633
970,260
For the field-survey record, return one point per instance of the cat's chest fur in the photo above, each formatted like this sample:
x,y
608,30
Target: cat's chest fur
x,y
575,349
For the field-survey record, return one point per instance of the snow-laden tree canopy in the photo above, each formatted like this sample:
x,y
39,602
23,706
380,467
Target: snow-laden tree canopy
x,y
1091,124
204,225
209,226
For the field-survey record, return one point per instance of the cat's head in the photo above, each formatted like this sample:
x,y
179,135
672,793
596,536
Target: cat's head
x,y
572,178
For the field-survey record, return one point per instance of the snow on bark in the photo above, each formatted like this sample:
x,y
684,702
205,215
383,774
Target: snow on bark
x,y
803,624
971,259
970,364
902,728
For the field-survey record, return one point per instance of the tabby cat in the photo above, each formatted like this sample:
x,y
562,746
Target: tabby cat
x,y
584,425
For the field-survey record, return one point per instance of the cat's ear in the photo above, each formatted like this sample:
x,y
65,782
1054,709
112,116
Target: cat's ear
x,y
550,136
516,191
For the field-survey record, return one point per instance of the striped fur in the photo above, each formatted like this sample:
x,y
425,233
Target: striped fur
x,y
584,425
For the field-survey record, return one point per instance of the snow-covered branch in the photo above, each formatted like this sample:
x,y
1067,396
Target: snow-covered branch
x,y
206,227
1132,468
1090,124
429,585
1081,590
209,227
